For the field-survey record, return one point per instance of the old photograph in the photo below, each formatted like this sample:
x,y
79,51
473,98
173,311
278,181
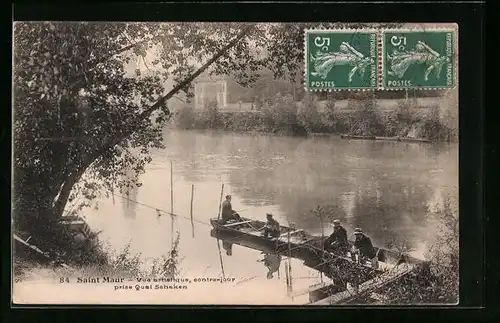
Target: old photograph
x,y
235,163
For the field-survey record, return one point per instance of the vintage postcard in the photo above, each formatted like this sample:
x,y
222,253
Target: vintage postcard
x,y
235,163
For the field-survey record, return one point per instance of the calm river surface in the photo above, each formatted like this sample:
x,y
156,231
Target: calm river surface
x,y
382,187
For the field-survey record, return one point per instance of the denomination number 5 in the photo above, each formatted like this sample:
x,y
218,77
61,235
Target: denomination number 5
x,y
322,42
396,41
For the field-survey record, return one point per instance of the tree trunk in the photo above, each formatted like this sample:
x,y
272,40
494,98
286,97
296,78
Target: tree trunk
x,y
36,198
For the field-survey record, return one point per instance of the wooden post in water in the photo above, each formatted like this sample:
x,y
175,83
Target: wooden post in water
x,y
220,258
172,201
220,201
287,277
218,242
322,243
290,288
113,192
191,211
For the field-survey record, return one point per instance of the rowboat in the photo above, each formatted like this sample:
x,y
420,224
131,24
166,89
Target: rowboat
x,y
402,139
357,137
297,243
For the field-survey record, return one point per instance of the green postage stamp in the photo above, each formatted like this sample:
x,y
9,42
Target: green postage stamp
x,y
380,59
341,59
418,59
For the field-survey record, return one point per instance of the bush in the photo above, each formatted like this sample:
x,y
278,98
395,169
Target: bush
x,y
308,115
280,114
443,253
401,121
334,120
433,129
449,120
243,121
366,120
132,265
185,118
437,281
211,116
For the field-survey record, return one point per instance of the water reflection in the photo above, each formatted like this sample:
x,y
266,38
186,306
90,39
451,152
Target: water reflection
x,y
272,262
228,247
129,205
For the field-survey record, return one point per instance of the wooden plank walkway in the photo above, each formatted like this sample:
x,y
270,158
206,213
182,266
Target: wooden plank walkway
x,y
370,285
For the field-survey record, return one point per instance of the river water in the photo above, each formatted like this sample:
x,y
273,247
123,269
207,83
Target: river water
x,y
382,187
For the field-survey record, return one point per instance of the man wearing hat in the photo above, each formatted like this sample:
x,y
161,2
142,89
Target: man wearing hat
x,y
337,241
272,227
364,247
227,211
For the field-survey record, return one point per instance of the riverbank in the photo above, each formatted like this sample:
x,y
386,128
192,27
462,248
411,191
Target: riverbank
x,y
362,118
88,257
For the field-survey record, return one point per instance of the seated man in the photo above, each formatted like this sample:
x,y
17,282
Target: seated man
x,y
337,241
227,211
272,227
364,248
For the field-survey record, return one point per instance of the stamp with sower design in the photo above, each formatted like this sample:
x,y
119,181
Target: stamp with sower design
x,y
419,59
341,59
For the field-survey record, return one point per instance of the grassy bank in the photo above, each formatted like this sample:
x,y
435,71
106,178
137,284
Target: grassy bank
x,y
363,117
92,257
441,283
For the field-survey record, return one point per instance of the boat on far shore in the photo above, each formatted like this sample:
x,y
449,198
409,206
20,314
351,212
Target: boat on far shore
x,y
401,139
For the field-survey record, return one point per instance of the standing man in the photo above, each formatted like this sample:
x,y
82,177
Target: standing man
x,y
364,248
227,211
337,241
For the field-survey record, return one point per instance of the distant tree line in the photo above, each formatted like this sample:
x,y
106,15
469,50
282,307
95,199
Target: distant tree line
x,y
280,114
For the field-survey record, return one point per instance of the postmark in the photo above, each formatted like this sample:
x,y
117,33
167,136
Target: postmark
x,y
340,59
419,59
